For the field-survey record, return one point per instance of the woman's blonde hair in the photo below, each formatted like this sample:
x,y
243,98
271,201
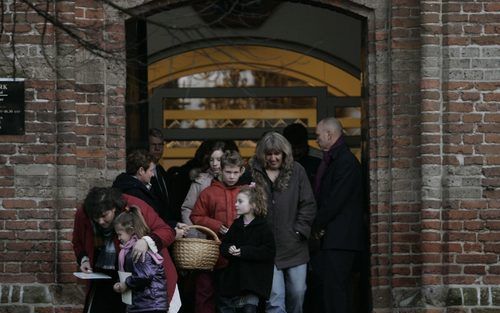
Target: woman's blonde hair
x,y
275,142
132,221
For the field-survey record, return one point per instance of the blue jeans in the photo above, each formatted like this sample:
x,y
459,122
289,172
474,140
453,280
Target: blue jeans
x,y
287,292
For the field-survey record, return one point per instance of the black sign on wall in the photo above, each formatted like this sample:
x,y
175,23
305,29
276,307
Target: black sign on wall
x,y
11,107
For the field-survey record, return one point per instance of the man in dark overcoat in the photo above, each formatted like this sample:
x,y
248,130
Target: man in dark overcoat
x,y
160,184
339,224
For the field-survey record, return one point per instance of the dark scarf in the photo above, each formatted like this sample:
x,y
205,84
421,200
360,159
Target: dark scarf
x,y
105,247
325,162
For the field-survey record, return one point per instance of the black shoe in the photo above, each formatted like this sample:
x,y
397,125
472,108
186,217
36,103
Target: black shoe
x,y
249,308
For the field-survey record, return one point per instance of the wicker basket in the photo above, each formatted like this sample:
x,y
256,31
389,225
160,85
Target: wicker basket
x,y
196,253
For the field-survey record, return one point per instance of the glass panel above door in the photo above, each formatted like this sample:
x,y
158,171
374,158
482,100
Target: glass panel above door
x,y
238,112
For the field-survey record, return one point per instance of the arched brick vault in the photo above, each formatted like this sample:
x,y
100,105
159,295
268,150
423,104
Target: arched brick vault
x,y
431,111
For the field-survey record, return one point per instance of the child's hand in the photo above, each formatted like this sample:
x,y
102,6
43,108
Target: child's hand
x,y
223,229
234,251
85,267
120,287
181,230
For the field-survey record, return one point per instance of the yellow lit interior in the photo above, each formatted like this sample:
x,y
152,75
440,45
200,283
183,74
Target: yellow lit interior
x,y
313,71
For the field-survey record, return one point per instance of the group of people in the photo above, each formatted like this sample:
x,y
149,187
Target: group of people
x,y
287,221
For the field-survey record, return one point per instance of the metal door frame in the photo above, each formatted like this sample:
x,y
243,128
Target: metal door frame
x,y
326,105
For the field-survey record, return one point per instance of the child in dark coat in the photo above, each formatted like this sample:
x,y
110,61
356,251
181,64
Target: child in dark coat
x,y
249,247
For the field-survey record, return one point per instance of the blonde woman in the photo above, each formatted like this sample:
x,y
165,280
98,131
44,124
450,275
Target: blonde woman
x,y
290,213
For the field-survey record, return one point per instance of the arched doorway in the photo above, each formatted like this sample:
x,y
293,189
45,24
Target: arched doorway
x,y
198,79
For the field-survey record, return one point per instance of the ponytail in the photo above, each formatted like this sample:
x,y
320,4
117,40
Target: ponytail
x,y
132,221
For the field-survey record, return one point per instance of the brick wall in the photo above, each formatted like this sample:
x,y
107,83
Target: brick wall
x,y
440,224
75,138
433,97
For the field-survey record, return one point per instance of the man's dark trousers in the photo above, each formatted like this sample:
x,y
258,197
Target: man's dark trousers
x,y
331,271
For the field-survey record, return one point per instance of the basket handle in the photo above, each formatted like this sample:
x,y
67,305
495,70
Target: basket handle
x,y
206,230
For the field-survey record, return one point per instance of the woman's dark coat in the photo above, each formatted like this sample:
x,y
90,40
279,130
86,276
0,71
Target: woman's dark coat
x,y
289,212
130,185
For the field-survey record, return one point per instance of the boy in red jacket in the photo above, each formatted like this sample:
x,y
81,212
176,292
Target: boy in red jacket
x,y
215,209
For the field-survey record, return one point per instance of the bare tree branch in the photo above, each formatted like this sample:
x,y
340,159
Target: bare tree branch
x,y
87,44
214,13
